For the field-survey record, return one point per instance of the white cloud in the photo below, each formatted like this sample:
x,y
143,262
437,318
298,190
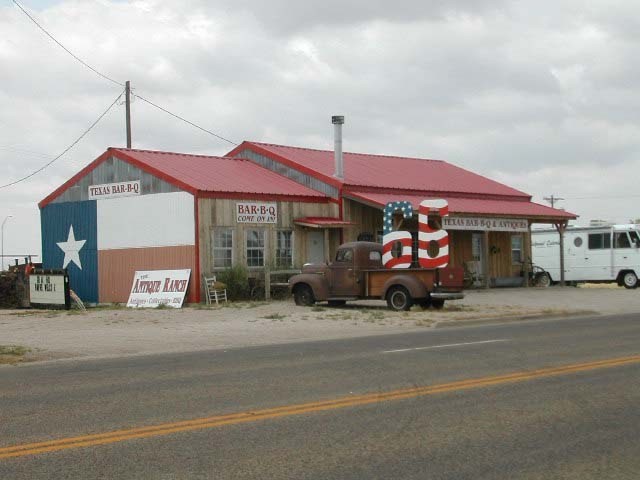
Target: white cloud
x,y
541,98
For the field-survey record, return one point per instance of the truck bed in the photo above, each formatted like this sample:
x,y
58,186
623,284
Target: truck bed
x,y
374,280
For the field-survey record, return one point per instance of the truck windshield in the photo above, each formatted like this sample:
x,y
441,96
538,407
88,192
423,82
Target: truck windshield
x,y
635,238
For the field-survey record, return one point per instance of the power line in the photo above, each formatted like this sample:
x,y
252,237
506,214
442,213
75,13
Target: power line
x,y
119,83
65,48
69,147
602,197
184,119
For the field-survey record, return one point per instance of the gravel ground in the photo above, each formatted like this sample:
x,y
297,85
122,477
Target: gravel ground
x,y
117,331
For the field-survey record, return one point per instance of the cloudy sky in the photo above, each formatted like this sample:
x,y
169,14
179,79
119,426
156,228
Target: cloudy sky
x,y
542,96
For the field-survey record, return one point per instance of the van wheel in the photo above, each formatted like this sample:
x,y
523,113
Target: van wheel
x,y
303,296
399,299
630,280
542,280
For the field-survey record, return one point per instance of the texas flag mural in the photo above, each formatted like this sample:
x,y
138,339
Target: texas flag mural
x,y
69,240
103,242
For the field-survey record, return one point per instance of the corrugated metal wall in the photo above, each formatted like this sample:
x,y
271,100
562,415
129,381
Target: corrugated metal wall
x,y
159,220
69,240
301,178
103,242
150,232
115,170
117,268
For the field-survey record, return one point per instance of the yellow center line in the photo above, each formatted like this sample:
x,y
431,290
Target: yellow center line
x,y
299,409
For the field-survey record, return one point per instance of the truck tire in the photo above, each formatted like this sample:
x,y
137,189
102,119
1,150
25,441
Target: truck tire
x,y
398,298
303,295
629,280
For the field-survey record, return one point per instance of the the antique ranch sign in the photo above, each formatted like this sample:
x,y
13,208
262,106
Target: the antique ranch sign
x,y
253,212
49,289
159,287
113,190
486,224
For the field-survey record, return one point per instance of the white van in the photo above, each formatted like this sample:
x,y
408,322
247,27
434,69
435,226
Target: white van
x,y
594,254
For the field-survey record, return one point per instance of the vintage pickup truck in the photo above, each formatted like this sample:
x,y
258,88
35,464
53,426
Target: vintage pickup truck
x,y
357,273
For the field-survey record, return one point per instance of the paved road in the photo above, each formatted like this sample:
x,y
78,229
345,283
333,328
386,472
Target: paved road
x,y
574,424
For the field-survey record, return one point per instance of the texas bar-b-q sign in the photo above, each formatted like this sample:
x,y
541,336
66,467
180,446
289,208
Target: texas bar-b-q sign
x,y
427,235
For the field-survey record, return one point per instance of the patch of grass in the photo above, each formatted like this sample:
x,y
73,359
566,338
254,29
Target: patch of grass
x,y
340,316
458,308
423,323
109,306
375,315
275,316
162,306
317,308
11,354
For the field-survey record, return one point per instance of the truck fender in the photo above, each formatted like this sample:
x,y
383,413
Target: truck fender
x,y
415,287
318,283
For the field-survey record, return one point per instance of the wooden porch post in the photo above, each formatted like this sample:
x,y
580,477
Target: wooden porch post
x,y
487,280
561,227
527,255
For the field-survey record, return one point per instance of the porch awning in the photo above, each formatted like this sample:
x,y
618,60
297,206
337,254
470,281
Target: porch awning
x,y
322,222
471,206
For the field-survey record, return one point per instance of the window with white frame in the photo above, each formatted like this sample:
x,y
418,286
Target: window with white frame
x,y
284,248
255,248
222,241
516,249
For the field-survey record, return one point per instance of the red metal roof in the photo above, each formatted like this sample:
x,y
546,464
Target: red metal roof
x,y
474,206
380,171
217,174
202,173
322,222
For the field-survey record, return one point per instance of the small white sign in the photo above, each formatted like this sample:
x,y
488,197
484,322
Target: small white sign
x,y
253,212
159,287
114,190
47,289
486,224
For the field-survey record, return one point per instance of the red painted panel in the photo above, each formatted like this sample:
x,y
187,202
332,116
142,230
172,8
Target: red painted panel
x,y
117,267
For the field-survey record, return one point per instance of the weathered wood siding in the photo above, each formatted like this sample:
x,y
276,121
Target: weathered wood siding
x,y
218,212
366,219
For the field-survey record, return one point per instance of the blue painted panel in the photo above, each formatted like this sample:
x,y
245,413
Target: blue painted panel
x,y
69,240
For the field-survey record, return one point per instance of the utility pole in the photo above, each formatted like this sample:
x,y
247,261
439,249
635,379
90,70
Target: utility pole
x,y
552,200
127,102
2,241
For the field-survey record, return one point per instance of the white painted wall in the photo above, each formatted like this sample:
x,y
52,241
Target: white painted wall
x,y
158,220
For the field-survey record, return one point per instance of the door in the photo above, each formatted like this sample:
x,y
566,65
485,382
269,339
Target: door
x,y
625,252
597,257
343,274
315,246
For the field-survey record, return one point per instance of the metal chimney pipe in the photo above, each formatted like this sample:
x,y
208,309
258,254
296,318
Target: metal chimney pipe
x,y
338,121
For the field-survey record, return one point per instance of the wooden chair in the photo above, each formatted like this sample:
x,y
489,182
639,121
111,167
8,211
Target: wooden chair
x,y
214,290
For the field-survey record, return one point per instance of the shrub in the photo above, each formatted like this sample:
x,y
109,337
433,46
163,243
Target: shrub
x,y
236,279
